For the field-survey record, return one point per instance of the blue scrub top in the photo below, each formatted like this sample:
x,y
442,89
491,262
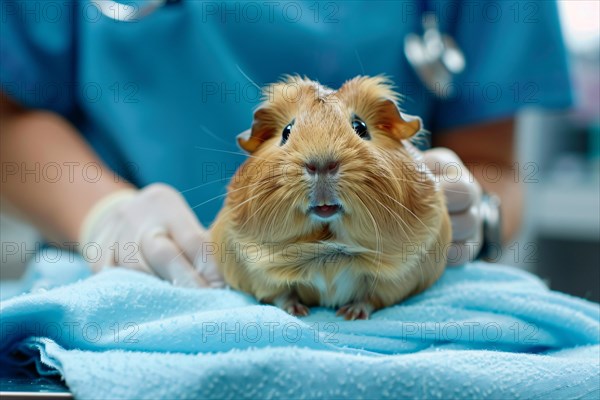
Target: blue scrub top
x,y
162,99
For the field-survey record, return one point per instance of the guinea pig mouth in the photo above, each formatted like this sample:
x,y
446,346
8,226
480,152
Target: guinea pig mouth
x,y
326,211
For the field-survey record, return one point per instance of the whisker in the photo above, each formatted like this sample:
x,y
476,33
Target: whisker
x,y
401,220
428,184
362,68
179,255
247,77
378,247
236,153
225,194
210,133
271,222
204,184
252,215
235,190
397,215
242,203
412,213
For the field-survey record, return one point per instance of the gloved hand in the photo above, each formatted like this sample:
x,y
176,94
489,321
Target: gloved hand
x,y
463,199
151,230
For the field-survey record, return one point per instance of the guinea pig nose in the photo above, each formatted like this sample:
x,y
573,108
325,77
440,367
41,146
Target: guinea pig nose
x,y
311,168
332,167
329,167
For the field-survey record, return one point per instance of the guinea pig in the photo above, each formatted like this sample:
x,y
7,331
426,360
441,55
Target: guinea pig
x,y
333,206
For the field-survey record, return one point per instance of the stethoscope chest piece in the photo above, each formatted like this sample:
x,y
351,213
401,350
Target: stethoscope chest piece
x,y
435,57
130,11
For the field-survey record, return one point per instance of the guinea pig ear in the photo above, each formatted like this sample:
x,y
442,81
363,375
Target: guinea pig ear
x,y
389,119
243,138
263,128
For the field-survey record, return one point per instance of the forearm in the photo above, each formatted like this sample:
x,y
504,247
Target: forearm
x,y
488,151
500,180
43,176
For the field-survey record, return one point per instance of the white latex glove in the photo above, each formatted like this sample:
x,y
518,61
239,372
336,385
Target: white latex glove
x,y
151,230
463,199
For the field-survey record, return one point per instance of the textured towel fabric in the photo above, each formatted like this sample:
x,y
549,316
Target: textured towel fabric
x,y
482,331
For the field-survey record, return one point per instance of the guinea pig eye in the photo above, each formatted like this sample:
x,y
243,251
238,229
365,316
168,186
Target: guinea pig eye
x,y
286,132
360,128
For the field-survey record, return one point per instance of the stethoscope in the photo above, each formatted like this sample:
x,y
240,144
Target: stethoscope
x,y
130,11
435,56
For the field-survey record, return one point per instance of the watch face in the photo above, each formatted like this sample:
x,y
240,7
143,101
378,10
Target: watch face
x,y
26,383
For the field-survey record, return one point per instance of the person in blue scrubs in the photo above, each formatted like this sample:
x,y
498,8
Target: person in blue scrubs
x,y
96,111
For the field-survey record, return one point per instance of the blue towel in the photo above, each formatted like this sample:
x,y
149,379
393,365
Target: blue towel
x,y
482,331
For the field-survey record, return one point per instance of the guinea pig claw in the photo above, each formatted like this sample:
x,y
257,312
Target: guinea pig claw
x,y
354,311
296,309
290,303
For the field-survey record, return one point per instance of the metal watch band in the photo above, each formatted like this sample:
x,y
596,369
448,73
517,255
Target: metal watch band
x,y
492,228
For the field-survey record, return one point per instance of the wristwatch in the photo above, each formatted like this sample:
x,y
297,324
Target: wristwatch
x,y
492,228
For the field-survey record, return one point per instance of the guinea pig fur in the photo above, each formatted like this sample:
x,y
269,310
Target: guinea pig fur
x,y
333,207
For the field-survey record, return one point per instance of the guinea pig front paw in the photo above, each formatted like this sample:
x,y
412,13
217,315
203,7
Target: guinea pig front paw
x,y
295,308
358,310
291,304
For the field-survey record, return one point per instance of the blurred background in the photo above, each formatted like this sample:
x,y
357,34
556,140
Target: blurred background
x,y
561,229
559,159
